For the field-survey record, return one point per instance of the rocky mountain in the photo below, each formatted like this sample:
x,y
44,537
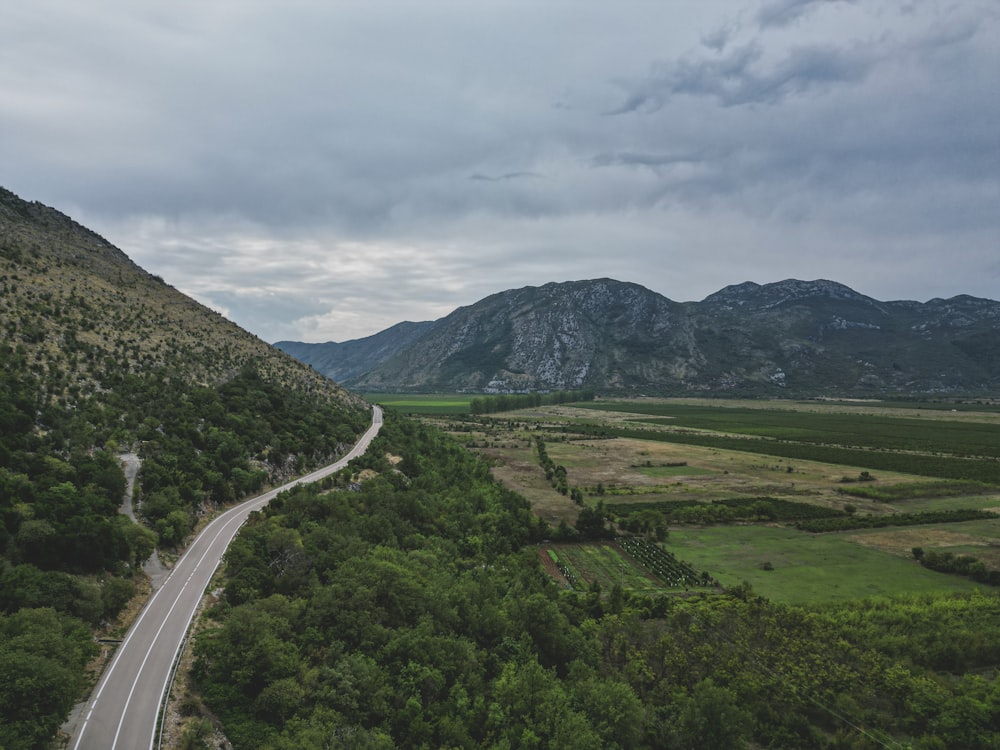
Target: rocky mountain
x,y
786,337
344,361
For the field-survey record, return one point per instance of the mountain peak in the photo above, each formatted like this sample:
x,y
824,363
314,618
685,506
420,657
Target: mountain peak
x,y
752,296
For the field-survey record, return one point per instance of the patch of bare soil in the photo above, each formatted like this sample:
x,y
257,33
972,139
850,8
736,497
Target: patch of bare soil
x,y
526,477
902,541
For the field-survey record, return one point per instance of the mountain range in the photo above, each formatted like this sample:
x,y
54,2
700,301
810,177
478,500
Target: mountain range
x,y
81,312
791,337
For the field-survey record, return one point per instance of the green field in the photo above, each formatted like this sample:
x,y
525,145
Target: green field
x,y
605,564
422,403
884,432
807,568
841,459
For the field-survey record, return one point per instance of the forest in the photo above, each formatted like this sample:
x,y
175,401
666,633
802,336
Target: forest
x,y
69,561
411,610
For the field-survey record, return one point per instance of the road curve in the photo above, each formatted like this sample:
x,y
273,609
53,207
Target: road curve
x,y
123,709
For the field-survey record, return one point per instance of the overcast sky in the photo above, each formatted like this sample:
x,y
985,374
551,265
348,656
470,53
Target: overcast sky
x,y
322,169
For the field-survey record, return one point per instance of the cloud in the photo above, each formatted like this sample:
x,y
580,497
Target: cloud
x,y
331,169
739,77
718,38
778,13
478,176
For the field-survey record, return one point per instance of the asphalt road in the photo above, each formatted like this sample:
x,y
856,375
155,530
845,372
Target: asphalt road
x,y
123,709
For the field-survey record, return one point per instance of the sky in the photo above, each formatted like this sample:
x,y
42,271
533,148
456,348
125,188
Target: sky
x,y
319,170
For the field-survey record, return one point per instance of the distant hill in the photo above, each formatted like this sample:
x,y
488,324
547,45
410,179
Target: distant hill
x,y
801,337
342,362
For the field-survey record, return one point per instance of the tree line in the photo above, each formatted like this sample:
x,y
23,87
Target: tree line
x,y
961,565
511,401
847,522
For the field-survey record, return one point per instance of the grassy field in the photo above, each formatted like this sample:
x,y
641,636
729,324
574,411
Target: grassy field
x,y
642,469
618,465
422,403
980,539
673,471
807,569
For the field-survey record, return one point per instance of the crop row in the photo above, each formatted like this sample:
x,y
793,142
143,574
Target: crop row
x,y
662,563
941,466
567,570
880,432
845,523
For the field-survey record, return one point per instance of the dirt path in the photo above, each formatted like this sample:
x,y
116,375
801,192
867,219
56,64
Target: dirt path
x,y
131,463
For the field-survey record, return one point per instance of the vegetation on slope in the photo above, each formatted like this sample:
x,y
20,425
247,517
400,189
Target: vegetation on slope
x,y
97,357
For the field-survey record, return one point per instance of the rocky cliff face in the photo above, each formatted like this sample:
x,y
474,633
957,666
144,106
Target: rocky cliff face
x,y
790,336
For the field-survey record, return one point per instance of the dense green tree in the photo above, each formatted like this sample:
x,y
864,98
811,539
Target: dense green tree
x,y
616,714
711,717
42,654
591,523
531,709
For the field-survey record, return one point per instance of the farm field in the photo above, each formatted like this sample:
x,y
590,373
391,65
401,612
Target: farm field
x,y
807,568
635,564
618,465
612,459
781,411
980,539
582,564
422,403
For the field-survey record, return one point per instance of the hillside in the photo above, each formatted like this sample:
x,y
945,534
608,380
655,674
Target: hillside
x,y
343,361
81,311
98,353
99,358
787,337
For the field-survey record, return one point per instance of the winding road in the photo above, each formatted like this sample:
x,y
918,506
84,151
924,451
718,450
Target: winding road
x,y
124,707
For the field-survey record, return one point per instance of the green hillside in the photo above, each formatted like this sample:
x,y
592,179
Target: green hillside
x,y
99,358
